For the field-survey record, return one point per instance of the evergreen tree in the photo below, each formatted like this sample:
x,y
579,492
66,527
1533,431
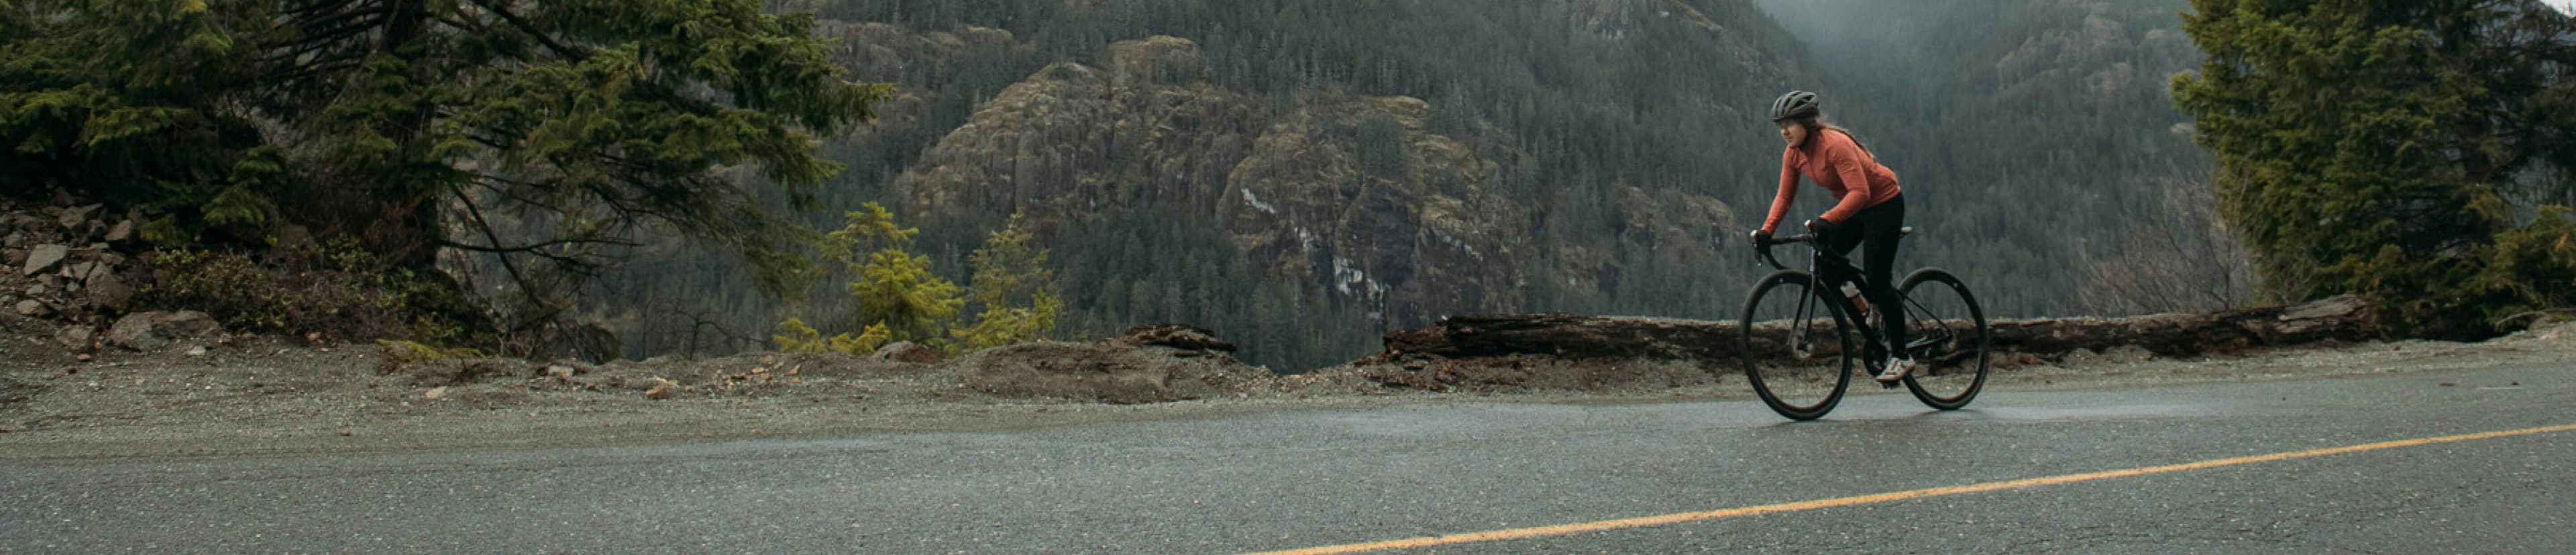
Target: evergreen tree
x,y
1013,288
2367,147
427,124
1381,148
900,298
895,289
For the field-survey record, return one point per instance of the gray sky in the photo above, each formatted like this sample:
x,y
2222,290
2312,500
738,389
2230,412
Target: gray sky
x,y
2564,5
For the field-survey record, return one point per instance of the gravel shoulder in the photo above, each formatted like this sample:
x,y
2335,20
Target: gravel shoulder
x,y
260,396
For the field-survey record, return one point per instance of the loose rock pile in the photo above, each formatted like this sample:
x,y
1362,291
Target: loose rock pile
x,y
75,269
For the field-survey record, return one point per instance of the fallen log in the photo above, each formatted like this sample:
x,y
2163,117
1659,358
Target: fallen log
x,y
2342,319
1579,337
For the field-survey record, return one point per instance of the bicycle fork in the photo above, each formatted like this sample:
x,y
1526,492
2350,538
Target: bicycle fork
x,y
1798,341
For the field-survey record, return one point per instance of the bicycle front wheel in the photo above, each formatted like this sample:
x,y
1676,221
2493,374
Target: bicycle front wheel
x,y
1949,339
1797,354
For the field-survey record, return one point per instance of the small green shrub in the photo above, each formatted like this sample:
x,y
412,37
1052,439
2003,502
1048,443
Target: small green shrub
x,y
334,288
412,351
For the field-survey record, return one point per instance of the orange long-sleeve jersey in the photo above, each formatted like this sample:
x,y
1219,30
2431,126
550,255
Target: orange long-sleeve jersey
x,y
1835,162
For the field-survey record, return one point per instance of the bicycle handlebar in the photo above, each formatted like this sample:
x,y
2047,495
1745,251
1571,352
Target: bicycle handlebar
x,y
1762,250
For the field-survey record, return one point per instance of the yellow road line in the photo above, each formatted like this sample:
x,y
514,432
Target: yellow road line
x,y
1676,518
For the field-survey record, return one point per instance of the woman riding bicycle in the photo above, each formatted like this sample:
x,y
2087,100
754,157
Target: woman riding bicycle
x,y
1868,210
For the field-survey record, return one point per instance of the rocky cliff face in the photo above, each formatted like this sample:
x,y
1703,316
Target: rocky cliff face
x,y
1420,233
1076,137
1426,237
1075,141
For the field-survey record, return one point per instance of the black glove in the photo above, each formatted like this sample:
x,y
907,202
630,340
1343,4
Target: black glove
x,y
1761,238
1821,227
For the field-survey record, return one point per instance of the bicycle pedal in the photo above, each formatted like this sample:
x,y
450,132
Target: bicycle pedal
x,y
1889,385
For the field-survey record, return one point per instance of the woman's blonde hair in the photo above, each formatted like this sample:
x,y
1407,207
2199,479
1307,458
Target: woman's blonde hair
x,y
1815,122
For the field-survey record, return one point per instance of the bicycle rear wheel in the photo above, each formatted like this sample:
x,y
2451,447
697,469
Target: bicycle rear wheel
x,y
1949,339
1797,354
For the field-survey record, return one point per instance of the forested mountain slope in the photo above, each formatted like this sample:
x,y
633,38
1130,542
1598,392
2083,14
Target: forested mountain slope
x,y
1302,175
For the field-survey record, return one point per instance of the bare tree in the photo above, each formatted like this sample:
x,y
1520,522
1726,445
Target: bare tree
x,y
2180,257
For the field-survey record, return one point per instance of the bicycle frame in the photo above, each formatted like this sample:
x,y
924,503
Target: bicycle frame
x,y
1874,345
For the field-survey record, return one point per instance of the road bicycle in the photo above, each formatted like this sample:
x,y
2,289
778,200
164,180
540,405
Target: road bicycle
x,y
1798,344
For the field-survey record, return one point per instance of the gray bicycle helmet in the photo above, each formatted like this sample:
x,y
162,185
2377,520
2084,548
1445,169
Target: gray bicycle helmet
x,y
1796,104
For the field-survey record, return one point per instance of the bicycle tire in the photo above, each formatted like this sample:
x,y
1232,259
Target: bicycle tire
x,y
1792,375
1951,340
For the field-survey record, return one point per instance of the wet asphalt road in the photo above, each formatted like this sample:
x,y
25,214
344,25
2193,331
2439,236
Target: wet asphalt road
x,y
1287,480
